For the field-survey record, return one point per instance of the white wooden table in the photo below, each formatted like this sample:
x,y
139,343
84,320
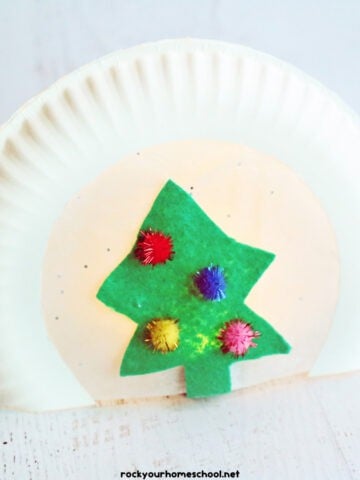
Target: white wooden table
x,y
293,429
298,428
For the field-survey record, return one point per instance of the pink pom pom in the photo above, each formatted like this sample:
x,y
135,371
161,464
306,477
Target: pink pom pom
x,y
237,337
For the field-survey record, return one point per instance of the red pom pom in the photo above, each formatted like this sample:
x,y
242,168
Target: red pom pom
x,y
153,248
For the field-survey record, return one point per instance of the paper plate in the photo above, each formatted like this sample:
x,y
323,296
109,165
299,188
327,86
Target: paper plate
x,y
152,94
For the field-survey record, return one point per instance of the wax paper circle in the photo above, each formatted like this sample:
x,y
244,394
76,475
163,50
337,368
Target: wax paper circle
x,y
254,198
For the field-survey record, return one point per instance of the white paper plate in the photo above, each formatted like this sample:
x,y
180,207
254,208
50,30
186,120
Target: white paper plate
x,y
148,95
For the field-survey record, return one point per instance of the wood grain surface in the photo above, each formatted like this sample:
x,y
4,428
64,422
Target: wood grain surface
x,y
306,429
292,429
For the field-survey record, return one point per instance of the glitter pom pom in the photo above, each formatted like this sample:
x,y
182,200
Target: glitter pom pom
x,y
210,282
153,248
163,334
237,337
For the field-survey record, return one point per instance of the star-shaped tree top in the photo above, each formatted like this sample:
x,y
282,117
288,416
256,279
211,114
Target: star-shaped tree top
x,y
184,283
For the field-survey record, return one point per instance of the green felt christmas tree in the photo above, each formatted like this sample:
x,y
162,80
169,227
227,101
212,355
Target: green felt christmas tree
x,y
185,283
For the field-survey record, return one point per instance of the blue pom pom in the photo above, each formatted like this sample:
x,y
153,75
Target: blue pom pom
x,y
210,282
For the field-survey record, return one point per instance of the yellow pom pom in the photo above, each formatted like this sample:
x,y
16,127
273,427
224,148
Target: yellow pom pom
x,y
163,334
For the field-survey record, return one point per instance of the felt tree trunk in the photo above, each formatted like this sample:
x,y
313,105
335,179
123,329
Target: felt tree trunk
x,y
217,378
195,284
